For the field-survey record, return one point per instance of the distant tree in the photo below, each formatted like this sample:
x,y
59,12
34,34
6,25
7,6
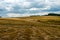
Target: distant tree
x,y
53,14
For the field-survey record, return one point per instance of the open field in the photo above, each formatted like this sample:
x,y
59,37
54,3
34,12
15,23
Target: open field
x,y
30,28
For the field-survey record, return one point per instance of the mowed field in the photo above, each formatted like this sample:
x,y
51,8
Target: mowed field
x,y
30,28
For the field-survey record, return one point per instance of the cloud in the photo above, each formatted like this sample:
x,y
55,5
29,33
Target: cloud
x,y
29,6
13,15
26,4
2,10
17,15
24,15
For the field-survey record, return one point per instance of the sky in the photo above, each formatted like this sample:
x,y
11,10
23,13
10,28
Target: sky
x,y
22,8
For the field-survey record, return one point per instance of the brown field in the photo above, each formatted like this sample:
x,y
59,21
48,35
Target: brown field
x,y
30,28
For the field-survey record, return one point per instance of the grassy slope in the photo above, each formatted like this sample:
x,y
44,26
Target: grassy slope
x,y
30,28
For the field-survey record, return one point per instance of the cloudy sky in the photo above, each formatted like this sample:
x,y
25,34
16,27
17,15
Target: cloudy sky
x,y
18,8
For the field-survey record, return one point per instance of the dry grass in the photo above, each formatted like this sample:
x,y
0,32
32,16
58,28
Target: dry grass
x,y
30,28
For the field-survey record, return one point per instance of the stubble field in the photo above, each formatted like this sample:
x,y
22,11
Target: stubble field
x,y
30,28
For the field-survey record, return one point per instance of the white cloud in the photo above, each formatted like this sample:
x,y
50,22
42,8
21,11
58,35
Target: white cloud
x,y
17,15
24,15
13,15
10,1
25,4
42,13
9,8
39,0
45,8
34,9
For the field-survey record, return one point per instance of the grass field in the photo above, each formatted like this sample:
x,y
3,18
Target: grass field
x,y
30,28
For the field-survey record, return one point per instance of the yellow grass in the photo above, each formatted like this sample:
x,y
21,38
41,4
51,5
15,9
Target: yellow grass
x,y
30,28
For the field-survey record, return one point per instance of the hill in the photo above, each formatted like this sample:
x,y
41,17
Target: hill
x,y
30,28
